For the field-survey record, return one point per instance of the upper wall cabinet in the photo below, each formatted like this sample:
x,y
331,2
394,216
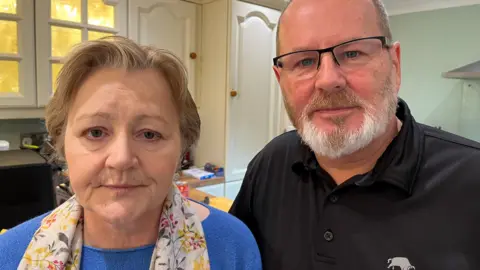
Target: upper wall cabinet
x,y
63,23
17,58
274,4
36,35
173,25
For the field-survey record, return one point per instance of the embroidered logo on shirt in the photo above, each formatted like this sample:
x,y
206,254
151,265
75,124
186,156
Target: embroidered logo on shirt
x,y
399,263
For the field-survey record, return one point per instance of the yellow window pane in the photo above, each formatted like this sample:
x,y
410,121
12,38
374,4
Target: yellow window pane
x,y
97,35
8,6
9,77
101,14
66,10
63,39
55,70
8,34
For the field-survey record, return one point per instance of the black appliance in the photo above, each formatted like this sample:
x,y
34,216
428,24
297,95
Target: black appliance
x,y
26,187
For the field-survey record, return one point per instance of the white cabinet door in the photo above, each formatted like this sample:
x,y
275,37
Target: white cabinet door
x,y
232,189
254,112
166,24
17,59
215,190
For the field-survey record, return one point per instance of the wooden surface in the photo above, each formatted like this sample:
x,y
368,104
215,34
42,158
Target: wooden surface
x,y
198,195
196,183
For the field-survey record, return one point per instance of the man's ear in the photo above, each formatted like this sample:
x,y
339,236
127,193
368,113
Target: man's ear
x,y
277,73
395,53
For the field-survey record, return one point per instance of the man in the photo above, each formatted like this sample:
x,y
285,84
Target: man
x,y
361,184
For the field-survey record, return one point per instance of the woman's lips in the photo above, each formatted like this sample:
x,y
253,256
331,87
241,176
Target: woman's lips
x,y
122,188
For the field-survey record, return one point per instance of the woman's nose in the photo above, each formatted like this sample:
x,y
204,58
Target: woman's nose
x,y
121,155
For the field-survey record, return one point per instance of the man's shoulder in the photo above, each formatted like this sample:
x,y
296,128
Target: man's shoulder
x,y
289,142
230,242
14,242
452,145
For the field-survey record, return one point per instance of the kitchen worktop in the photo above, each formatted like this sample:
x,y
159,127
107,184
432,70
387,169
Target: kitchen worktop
x,y
196,183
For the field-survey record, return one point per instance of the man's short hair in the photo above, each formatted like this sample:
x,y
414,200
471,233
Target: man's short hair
x,y
383,21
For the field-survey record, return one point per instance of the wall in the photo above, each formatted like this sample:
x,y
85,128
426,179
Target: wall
x,y
10,130
433,42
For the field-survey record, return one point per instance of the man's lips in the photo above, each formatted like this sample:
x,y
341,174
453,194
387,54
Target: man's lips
x,y
334,111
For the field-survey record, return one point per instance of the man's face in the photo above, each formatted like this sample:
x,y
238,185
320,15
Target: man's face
x,y
338,110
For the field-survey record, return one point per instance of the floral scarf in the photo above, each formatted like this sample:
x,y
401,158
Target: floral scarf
x,y
57,244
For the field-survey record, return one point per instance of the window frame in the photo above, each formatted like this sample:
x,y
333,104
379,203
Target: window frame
x,y
43,47
27,95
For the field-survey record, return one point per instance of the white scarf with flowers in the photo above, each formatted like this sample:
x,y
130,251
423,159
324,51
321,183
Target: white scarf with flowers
x,y
57,244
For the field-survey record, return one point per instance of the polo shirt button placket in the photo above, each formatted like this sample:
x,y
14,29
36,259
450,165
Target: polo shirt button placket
x,y
328,235
333,198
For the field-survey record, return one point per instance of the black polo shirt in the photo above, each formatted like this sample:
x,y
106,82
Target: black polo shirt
x,y
419,207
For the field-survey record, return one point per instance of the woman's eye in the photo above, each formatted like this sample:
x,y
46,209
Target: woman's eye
x,y
95,133
150,135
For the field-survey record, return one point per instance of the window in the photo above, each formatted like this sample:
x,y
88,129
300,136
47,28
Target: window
x,y
16,53
66,23
37,34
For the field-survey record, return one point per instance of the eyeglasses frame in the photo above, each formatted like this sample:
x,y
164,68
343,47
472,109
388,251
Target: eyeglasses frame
x,y
383,39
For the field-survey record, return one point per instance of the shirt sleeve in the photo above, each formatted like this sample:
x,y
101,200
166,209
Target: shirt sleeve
x,y
242,207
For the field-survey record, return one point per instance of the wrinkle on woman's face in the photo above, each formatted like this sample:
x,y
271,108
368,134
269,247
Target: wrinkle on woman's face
x,y
122,143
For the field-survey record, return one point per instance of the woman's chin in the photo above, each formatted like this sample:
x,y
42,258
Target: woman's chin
x,y
119,213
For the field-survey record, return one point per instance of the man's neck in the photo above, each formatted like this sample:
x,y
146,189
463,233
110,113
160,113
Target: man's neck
x,y
361,161
99,233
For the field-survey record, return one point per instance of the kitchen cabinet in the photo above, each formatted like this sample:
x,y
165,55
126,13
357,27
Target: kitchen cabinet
x,y
38,34
242,109
215,190
171,25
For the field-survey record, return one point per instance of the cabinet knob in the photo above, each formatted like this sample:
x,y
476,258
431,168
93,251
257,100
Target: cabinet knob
x,y
193,55
233,93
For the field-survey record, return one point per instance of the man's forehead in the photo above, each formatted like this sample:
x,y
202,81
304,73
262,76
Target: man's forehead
x,y
326,21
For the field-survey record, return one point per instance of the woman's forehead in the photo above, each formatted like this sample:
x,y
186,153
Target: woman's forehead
x,y
116,93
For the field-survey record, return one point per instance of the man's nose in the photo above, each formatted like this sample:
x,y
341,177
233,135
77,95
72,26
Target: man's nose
x,y
121,155
329,77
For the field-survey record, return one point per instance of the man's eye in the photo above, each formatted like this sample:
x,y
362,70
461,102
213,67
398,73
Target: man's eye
x,y
306,62
351,54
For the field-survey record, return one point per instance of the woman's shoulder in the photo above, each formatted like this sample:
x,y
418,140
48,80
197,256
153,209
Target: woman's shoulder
x,y
15,240
230,243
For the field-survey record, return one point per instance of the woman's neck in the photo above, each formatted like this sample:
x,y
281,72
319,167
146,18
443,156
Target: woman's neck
x,y
100,233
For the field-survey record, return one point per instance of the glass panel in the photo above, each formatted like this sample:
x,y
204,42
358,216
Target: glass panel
x,y
8,32
66,10
8,6
9,77
100,14
97,35
63,38
55,70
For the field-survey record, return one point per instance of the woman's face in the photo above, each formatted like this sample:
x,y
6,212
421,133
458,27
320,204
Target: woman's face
x,y
122,144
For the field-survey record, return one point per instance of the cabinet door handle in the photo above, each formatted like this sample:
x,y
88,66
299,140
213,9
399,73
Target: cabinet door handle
x,y
233,93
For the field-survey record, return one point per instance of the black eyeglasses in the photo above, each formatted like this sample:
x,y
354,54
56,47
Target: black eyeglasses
x,y
349,56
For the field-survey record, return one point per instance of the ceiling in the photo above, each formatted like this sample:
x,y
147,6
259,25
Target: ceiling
x,y
395,7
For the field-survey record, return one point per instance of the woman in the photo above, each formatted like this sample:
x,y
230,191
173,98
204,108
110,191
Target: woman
x,y
122,117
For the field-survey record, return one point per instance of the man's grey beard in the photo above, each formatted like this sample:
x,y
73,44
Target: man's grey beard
x,y
342,142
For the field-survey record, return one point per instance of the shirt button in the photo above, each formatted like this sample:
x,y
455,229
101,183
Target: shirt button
x,y
333,198
328,235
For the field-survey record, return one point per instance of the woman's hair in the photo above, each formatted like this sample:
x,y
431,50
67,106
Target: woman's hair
x,y
119,52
